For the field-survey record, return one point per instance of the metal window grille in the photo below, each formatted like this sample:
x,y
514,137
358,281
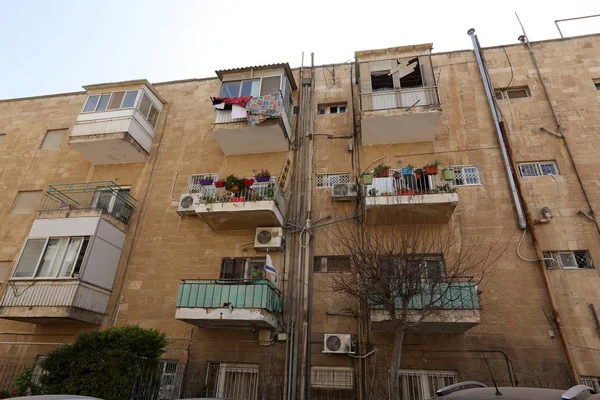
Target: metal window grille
x,y
591,381
465,175
170,380
332,264
568,259
328,180
232,381
194,183
538,168
422,385
331,383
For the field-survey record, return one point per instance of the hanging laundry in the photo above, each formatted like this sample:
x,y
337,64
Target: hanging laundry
x,y
263,107
238,112
220,106
240,101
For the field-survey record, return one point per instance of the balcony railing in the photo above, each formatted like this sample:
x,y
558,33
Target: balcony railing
x,y
103,195
399,98
400,184
267,191
460,293
260,294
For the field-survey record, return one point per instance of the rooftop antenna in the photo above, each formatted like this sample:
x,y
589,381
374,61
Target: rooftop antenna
x,y
498,393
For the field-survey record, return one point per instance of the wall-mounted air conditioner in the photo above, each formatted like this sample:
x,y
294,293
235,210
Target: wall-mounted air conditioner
x,y
268,239
188,203
344,191
336,343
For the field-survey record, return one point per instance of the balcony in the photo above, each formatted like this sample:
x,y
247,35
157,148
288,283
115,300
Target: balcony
x,y
89,199
406,199
54,301
219,303
117,123
253,113
457,309
261,204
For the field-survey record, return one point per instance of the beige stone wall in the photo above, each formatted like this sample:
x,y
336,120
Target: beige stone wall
x,y
515,315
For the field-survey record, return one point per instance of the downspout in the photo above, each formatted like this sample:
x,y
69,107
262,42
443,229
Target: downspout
x,y
561,134
489,94
520,200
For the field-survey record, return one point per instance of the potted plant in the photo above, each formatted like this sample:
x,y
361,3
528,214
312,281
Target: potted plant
x,y
381,171
233,183
397,175
373,192
448,174
248,182
433,168
220,183
418,173
206,182
367,178
263,176
408,170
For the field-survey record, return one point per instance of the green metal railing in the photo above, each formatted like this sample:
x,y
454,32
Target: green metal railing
x,y
223,294
101,195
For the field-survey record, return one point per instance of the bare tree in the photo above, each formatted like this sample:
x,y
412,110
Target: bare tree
x,y
413,273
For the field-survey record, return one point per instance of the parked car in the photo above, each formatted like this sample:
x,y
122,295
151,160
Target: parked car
x,y
472,390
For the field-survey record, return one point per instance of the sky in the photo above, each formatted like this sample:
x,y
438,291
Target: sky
x,y
57,46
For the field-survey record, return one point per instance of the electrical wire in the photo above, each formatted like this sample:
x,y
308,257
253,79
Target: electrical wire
x,y
530,259
512,71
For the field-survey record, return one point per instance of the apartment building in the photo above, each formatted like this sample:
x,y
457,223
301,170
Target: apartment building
x,y
123,204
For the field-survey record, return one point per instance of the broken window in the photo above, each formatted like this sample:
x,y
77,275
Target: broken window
x,y
410,73
381,80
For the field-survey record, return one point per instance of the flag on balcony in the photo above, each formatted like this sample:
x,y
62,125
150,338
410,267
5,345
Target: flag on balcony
x,y
270,268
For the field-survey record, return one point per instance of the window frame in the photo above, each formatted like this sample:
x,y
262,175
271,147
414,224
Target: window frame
x,y
538,168
147,114
557,263
2,138
65,134
503,94
111,93
327,108
259,78
247,268
425,378
14,203
43,252
319,260
460,169
222,375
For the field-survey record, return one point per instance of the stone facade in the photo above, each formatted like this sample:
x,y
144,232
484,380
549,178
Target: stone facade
x,y
516,332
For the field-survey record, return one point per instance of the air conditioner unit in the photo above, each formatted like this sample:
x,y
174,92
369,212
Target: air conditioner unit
x,y
336,343
344,191
268,239
187,203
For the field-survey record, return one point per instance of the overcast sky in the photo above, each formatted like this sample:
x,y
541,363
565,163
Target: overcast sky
x,y
54,46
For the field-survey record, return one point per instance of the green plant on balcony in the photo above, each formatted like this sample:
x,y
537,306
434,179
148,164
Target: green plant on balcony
x,y
233,183
373,192
433,168
381,171
418,173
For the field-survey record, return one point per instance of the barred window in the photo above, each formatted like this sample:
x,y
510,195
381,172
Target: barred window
x,y
578,259
422,385
541,168
591,381
466,175
332,264
328,180
194,185
331,383
232,381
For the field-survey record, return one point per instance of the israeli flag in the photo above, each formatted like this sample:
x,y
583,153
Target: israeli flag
x,y
270,268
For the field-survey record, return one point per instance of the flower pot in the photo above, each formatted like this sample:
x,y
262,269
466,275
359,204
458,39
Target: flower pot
x,y
367,179
418,175
219,184
248,182
206,182
448,174
407,171
237,199
386,172
262,178
431,170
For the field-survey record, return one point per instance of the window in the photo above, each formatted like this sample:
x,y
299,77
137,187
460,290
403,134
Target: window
x,y
332,109
381,80
597,84
243,268
331,383
541,168
328,180
465,175
252,87
110,101
423,265
332,264
512,93
591,381
577,259
2,136
53,139
4,270
232,381
25,202
51,257
170,380
295,110
413,78
113,201
421,385
148,110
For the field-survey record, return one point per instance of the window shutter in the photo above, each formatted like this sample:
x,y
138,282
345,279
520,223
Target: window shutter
x,y
53,139
270,85
26,202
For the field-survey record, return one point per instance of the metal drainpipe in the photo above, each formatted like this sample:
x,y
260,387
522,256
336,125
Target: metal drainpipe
x,y
489,94
520,200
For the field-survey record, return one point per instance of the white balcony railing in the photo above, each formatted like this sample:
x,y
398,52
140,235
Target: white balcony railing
x,y
399,98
